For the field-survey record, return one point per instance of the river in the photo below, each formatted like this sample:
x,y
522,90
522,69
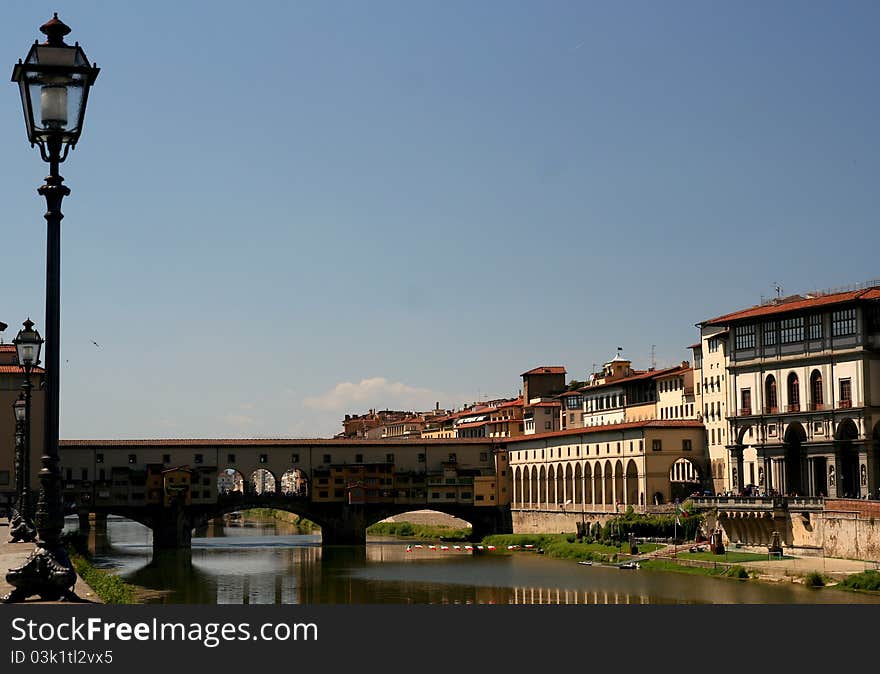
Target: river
x,y
266,562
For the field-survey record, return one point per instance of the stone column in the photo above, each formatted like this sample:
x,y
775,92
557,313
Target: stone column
x,y
863,479
736,460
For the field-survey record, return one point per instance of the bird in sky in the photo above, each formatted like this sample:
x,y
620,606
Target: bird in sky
x,y
96,344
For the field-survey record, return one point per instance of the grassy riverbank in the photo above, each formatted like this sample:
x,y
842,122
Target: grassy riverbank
x,y
721,570
301,523
867,581
420,531
108,586
564,546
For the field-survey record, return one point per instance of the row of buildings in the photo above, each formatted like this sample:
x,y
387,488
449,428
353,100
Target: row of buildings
x,y
781,397
787,393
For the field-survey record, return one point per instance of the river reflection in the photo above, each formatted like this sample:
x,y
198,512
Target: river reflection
x,y
266,562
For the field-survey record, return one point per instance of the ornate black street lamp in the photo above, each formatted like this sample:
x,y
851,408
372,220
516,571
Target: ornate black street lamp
x,y
21,528
28,345
54,80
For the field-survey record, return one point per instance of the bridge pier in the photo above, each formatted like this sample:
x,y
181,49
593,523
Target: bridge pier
x,y
491,521
172,529
347,527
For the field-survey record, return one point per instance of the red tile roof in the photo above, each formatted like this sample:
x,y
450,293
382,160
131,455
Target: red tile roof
x,y
18,369
677,370
698,345
473,424
546,369
7,347
269,442
652,423
636,376
795,303
545,404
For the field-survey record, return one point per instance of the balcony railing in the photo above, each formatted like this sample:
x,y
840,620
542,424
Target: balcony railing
x,y
745,411
794,407
816,407
771,410
844,404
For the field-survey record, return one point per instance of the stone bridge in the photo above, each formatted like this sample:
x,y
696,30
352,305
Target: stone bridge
x,y
344,486
341,523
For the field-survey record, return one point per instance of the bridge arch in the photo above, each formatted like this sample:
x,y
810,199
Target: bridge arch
x,y
230,480
263,481
294,482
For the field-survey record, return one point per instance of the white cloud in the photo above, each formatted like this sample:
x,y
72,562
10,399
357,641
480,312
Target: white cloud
x,y
239,420
376,392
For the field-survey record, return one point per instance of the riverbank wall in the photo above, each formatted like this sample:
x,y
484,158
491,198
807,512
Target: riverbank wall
x,y
554,521
846,528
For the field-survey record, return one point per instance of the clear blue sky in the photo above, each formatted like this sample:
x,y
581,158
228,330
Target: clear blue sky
x,y
285,211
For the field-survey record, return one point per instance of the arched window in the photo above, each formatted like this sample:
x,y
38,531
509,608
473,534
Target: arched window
x,y
794,393
770,394
816,392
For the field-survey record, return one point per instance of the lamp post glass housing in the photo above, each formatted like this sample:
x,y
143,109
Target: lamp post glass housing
x,y
28,344
54,81
19,409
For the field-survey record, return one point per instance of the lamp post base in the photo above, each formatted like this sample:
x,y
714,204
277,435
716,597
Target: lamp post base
x,y
21,529
47,573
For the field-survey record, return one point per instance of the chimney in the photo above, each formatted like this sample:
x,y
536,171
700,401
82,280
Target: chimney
x,y
437,406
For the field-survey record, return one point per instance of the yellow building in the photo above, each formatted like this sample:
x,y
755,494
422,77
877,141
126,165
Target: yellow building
x,y
176,484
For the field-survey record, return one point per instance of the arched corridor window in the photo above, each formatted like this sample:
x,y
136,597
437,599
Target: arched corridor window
x,y
794,393
816,398
770,395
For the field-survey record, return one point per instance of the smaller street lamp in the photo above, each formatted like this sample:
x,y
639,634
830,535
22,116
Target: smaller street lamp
x,y
20,412
28,345
21,529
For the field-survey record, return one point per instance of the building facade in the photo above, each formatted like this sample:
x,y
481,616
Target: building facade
x,y
607,468
803,394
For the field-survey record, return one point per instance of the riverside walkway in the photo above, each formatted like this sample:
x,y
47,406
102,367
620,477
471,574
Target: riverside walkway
x,y
13,555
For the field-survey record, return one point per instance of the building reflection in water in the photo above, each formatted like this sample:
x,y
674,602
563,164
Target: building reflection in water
x,y
531,595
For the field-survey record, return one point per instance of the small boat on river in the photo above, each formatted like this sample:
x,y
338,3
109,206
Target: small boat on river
x,y
629,565
585,562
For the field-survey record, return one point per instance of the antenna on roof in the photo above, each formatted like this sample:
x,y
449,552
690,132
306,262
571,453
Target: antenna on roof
x,y
778,288
653,357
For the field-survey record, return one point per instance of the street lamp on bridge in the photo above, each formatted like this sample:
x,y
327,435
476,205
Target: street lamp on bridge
x,y
28,344
54,80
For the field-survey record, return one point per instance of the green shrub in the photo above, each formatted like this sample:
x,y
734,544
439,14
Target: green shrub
x,y
737,572
814,579
570,538
867,580
109,587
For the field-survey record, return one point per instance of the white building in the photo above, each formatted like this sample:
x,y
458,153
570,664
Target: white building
x,y
710,394
803,393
